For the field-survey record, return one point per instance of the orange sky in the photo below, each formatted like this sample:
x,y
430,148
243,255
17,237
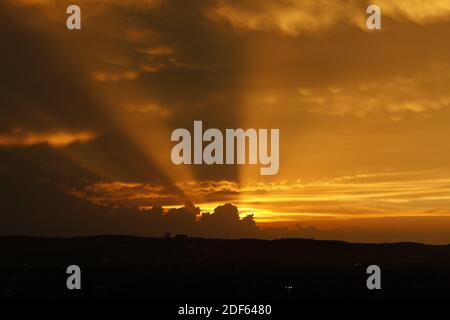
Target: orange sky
x,y
363,115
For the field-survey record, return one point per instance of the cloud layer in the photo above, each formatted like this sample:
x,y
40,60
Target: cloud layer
x,y
91,112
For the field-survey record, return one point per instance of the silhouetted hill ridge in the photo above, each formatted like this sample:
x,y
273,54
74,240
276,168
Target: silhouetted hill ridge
x,y
197,268
147,250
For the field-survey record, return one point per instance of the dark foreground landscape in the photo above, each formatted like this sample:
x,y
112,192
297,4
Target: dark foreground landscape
x,y
192,269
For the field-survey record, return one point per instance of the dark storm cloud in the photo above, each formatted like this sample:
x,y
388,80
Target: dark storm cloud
x,y
30,213
152,58
40,88
47,89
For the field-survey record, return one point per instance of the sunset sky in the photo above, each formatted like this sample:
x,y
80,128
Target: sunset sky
x,y
364,116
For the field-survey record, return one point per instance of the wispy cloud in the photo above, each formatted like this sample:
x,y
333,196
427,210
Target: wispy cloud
x,y
105,76
424,94
365,195
55,139
294,17
417,11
